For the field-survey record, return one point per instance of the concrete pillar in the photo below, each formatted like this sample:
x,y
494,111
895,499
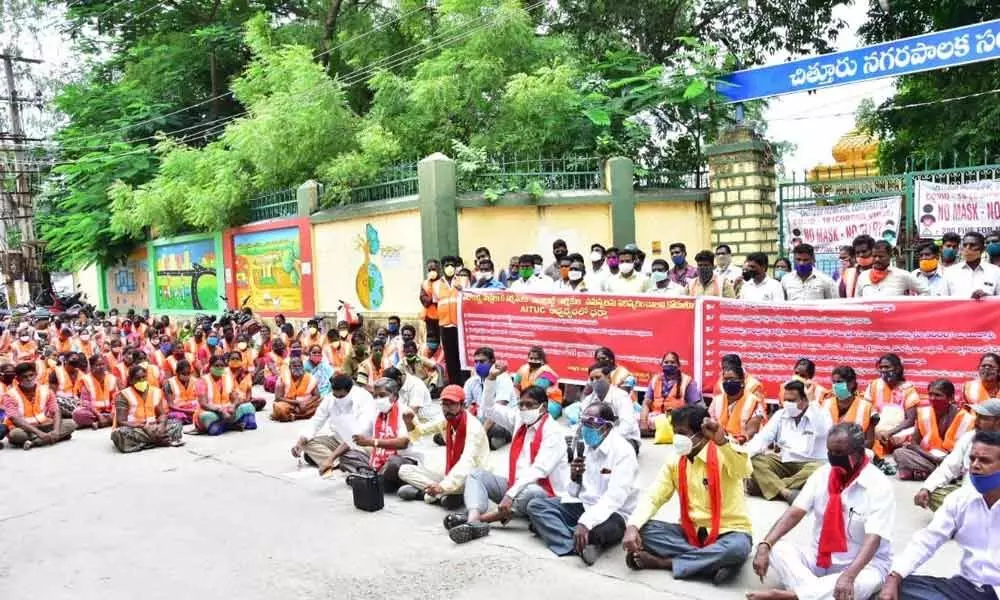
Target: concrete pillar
x,y
308,195
618,173
741,171
438,193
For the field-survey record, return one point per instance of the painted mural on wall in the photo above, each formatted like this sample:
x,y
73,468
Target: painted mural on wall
x,y
268,268
185,277
127,284
368,281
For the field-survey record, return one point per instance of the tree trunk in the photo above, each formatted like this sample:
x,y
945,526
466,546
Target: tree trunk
x,y
330,29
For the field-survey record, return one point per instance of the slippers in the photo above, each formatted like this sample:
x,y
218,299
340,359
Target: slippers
x,y
632,561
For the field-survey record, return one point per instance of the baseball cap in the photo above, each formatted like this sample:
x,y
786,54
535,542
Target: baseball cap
x,y
454,393
990,408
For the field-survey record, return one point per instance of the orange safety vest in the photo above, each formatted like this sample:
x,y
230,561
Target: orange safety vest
x,y
219,392
64,346
141,410
881,395
429,312
33,410
100,392
66,384
184,396
930,437
619,375
153,375
751,385
675,399
735,420
447,303
24,352
859,413
336,355
304,387
553,392
87,349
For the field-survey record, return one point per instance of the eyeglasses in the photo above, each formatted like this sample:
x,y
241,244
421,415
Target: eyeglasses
x,y
594,422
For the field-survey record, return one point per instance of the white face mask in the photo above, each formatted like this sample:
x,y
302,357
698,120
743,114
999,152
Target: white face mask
x,y
683,445
626,268
530,417
575,275
486,275
25,339
383,404
792,409
596,256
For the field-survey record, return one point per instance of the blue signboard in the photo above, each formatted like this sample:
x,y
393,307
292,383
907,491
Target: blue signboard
x,y
938,50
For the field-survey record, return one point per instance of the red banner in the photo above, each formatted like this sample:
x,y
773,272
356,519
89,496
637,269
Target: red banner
x,y
935,338
570,327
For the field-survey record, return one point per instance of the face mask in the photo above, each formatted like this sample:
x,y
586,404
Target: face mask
x,y
142,386
779,273
865,261
841,461
841,391
792,409
526,272
482,369
25,339
415,358
985,484
376,354
213,341
658,276
993,249
928,265
626,268
485,275
596,256
28,385
564,272
723,260
241,346
166,348
678,259
878,275
706,273
844,263
534,365
7,378
218,371
432,274
449,271
804,271
601,387
732,387
84,338
530,417
887,376
592,437
683,445
383,404
949,254
575,275
539,270
392,328
296,352
343,333
669,370
613,261
748,275
451,417
313,331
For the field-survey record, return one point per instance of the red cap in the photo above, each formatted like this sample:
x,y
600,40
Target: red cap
x,y
454,393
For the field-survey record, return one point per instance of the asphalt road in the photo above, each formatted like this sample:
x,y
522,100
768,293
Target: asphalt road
x,y
235,516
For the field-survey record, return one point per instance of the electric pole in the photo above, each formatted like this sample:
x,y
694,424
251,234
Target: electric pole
x,y
18,209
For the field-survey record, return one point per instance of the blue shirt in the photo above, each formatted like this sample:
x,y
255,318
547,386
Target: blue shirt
x,y
322,372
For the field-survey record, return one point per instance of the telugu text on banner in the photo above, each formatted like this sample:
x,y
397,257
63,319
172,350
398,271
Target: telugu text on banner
x,y
936,339
570,327
959,208
827,228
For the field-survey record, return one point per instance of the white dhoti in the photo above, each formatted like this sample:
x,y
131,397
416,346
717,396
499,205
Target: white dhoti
x,y
796,568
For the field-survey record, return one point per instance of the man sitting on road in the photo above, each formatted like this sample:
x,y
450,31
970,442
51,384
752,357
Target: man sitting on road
x,y
970,517
33,417
537,467
853,509
465,448
713,537
604,391
953,472
296,394
601,494
343,413
799,431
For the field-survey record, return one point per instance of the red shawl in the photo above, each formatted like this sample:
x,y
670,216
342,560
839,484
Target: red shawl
x,y
517,445
833,535
714,495
454,440
385,429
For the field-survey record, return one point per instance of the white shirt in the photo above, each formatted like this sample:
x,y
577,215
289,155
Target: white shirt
x,y
768,290
550,462
342,417
897,283
635,283
818,286
621,402
869,506
531,284
595,279
732,273
608,481
503,389
804,441
401,432
934,280
415,396
961,280
965,518
954,465
672,289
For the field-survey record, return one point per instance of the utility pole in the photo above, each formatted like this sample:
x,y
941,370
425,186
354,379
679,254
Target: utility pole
x,y
18,209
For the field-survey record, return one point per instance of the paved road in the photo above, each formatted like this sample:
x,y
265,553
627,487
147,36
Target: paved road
x,y
234,516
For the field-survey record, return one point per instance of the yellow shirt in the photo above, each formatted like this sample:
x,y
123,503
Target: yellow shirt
x,y
734,467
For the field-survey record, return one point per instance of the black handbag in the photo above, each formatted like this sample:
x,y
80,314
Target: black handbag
x,y
369,490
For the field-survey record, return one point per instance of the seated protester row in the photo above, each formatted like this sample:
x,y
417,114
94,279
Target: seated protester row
x,y
925,448
847,404
953,472
600,496
853,509
537,466
341,414
296,394
740,411
466,449
668,390
713,538
98,391
536,372
891,397
969,517
752,385
182,392
142,416
798,431
33,417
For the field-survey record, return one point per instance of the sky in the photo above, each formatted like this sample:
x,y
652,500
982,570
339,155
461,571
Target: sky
x,y
815,136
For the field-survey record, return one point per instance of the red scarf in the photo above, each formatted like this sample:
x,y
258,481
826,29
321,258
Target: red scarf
x,y
714,495
515,451
454,441
385,428
833,535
